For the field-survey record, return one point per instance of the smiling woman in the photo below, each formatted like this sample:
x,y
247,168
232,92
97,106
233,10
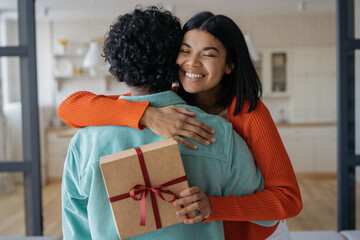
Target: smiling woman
x,y
202,59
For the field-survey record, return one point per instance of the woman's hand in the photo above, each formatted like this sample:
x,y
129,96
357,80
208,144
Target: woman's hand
x,y
177,122
197,200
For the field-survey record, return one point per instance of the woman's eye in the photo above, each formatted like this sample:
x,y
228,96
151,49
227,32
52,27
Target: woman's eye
x,y
184,51
209,55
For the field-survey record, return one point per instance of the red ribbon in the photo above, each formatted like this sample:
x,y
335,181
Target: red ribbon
x,y
145,189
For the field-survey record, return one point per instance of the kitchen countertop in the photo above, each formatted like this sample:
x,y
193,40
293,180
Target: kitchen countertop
x,y
63,131
60,129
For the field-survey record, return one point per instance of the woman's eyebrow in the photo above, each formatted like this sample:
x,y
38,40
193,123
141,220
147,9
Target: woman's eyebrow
x,y
186,45
204,49
211,48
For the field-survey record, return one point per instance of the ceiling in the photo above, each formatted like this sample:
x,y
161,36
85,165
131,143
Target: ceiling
x,y
110,9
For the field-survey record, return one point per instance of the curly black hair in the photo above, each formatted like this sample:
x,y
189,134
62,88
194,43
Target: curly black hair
x,y
142,47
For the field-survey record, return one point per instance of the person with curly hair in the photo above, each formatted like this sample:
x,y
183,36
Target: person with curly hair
x,y
141,48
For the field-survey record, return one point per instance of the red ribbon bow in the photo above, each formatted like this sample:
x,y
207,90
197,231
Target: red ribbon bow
x,y
145,189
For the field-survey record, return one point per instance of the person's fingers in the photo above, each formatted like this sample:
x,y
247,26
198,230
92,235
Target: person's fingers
x,y
183,111
199,132
201,125
186,200
185,142
188,209
194,198
196,219
192,121
194,136
189,195
183,121
190,191
203,207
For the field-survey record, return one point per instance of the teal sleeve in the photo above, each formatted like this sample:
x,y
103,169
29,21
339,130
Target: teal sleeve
x,y
242,176
74,204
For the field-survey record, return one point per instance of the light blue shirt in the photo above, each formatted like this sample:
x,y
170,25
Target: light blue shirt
x,y
224,168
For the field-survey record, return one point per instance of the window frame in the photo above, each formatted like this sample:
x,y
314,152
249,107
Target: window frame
x,y
347,158
30,165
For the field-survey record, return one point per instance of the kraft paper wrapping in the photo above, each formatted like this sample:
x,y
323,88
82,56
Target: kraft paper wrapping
x,y
122,171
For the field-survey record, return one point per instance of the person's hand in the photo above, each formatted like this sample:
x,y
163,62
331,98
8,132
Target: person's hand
x,y
197,200
177,122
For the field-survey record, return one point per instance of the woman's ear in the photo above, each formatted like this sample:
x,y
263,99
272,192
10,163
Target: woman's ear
x,y
229,68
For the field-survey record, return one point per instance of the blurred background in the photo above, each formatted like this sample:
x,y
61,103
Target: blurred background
x,y
292,44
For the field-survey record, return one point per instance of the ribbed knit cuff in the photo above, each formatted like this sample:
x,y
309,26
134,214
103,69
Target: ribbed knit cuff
x,y
132,114
217,213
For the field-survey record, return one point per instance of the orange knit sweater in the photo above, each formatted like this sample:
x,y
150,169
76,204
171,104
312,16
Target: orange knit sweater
x,y
281,197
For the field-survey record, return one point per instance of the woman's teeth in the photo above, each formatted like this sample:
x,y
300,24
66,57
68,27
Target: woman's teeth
x,y
193,75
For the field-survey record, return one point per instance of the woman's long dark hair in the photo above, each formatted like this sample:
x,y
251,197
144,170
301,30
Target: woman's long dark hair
x,y
243,82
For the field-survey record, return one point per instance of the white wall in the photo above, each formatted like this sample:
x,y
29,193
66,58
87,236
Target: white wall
x,y
290,30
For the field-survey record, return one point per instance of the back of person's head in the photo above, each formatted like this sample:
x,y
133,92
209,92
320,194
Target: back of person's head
x,y
142,48
243,81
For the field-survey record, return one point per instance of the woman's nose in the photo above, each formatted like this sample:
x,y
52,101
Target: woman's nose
x,y
194,61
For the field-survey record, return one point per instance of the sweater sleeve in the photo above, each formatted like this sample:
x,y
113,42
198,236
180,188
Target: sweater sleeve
x,y
280,198
84,108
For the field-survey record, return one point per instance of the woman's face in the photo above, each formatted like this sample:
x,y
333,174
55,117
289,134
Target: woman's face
x,y
202,62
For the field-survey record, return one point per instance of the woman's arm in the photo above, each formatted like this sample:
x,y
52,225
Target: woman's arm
x,y
280,198
84,108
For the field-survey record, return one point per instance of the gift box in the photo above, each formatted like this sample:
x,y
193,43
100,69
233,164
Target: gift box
x,y
141,184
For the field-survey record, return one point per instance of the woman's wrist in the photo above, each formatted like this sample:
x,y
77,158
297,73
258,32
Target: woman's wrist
x,y
145,119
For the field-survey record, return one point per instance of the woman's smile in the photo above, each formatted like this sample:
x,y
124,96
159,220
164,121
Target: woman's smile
x,y
193,76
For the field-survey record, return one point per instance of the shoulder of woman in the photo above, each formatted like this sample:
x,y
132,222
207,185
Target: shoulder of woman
x,y
260,110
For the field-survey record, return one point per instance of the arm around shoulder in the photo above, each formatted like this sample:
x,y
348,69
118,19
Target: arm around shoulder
x,y
84,108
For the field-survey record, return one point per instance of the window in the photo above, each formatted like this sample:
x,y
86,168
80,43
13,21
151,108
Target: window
x,y
17,52
278,63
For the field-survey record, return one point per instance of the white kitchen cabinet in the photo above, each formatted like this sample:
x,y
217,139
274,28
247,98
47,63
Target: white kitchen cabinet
x,y
313,92
327,60
58,140
304,99
302,153
311,147
326,150
305,61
